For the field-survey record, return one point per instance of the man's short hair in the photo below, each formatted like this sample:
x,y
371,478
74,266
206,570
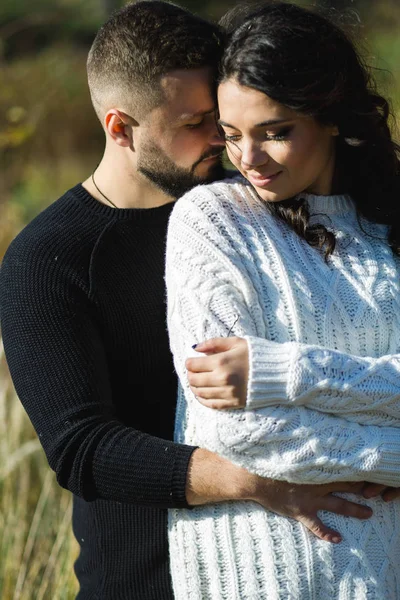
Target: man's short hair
x,y
138,45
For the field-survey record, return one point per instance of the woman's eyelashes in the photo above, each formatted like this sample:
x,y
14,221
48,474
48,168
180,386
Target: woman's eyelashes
x,y
277,136
230,138
282,134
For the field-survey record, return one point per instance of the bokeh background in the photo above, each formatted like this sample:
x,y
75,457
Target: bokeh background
x,y
50,140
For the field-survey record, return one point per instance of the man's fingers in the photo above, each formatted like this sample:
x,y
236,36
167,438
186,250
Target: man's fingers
x,y
372,490
352,487
317,527
391,494
340,506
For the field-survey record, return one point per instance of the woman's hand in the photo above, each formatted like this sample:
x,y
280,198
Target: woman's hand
x,y
219,380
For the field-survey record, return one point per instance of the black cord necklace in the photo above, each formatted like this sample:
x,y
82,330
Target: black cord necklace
x,y
100,192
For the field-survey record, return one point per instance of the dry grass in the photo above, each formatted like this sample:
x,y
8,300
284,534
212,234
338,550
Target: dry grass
x,y
37,547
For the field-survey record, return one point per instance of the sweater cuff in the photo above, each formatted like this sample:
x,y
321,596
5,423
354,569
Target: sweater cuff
x,y
388,467
269,366
179,477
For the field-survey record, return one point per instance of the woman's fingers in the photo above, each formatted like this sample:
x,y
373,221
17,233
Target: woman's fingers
x,y
200,364
201,380
214,398
217,345
220,380
210,393
217,404
217,389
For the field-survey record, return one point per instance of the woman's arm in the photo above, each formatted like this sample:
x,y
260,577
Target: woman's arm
x,y
208,286
255,372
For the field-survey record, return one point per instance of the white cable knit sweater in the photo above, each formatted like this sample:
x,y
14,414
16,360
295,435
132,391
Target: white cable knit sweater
x,y
323,395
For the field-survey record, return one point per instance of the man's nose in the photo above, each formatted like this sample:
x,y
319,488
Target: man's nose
x,y
216,138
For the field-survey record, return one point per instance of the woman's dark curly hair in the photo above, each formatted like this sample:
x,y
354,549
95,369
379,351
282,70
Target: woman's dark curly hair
x,y
304,61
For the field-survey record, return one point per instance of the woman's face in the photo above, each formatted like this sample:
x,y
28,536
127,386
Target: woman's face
x,y
281,152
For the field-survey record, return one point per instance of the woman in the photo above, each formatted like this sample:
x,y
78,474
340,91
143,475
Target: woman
x,y
301,258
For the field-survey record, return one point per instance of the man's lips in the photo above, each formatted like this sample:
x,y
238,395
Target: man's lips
x,y
262,180
215,157
212,157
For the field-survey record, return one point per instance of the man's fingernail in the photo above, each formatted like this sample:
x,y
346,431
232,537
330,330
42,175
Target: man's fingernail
x,y
336,539
194,346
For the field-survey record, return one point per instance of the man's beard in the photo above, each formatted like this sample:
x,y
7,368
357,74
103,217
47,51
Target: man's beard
x,y
171,179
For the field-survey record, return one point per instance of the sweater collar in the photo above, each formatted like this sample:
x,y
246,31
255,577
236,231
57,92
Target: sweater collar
x,y
154,214
339,204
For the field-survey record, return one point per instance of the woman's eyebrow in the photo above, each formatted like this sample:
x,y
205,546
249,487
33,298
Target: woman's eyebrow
x,y
263,124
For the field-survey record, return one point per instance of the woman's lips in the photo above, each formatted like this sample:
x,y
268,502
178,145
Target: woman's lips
x,y
262,180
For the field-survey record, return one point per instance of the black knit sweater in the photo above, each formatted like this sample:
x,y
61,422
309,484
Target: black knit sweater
x,y
83,320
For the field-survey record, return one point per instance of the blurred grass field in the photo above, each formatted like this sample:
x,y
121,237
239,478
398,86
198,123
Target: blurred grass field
x,y
49,140
37,548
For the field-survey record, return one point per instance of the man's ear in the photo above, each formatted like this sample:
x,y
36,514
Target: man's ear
x,y
334,130
119,126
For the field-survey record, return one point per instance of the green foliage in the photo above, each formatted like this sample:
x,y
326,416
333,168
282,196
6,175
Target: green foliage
x,y
47,125
80,13
48,132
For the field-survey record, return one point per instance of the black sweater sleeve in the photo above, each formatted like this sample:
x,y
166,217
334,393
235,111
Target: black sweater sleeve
x,y
57,361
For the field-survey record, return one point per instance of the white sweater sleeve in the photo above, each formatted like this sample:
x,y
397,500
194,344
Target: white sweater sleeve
x,y
358,388
208,286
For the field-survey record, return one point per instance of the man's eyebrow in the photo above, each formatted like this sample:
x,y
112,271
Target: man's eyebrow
x,y
199,113
263,124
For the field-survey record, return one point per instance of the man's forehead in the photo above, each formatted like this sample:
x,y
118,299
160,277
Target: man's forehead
x,y
179,78
188,93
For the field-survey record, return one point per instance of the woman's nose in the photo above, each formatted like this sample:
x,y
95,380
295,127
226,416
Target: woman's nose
x,y
253,156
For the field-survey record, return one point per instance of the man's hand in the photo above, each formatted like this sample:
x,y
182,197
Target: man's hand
x,y
214,479
219,380
372,490
302,503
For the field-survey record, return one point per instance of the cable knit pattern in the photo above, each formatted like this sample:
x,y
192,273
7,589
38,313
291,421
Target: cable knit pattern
x,y
323,394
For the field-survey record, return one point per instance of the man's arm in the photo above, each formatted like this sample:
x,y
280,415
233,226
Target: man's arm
x,y
212,478
57,358
58,362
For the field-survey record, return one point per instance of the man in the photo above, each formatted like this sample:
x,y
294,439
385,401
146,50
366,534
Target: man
x,y
82,308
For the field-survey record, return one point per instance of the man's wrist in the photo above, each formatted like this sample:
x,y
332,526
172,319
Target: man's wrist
x,y
211,478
